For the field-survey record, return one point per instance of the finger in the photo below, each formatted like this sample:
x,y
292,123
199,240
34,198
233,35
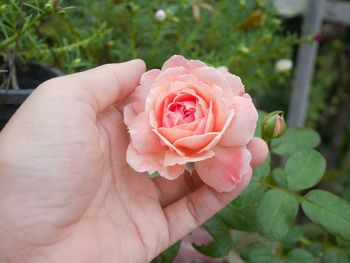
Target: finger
x,y
172,190
193,210
105,85
259,151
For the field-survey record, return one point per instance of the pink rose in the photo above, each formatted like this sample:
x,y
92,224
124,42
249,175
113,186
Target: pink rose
x,y
188,112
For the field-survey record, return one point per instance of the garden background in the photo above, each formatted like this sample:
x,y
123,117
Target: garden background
x,y
296,209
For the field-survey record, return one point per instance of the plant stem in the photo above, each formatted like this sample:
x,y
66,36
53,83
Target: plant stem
x,y
24,29
71,46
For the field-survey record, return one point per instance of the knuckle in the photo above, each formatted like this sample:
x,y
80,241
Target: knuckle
x,y
191,207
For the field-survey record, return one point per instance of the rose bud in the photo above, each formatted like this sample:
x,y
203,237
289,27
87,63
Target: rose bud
x,y
273,125
191,116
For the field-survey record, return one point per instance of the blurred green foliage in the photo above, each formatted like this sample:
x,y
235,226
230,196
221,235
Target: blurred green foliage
x,y
244,36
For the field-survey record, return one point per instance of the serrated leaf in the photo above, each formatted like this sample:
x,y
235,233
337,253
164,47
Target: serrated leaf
x,y
276,213
328,210
335,255
222,241
168,255
299,255
257,253
304,169
295,139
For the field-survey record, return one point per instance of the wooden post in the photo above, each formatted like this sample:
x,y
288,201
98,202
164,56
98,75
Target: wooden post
x,y
305,64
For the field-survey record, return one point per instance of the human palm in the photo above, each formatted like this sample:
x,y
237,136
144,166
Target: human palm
x,y
66,192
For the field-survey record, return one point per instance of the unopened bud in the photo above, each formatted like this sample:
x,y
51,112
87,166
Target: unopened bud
x,y
2,8
49,7
160,15
242,3
273,125
243,49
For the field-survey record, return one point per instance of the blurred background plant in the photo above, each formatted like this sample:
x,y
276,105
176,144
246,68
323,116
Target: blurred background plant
x,y
244,36
252,40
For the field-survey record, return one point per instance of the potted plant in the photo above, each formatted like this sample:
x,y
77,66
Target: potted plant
x,y
18,83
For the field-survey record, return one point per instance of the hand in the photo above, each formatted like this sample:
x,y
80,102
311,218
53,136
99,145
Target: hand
x,y
66,192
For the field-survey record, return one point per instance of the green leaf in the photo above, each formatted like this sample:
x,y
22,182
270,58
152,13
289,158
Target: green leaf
x,y
279,176
258,125
222,242
153,175
253,193
295,139
264,169
293,236
168,255
257,253
299,255
328,210
240,214
342,242
243,219
315,248
276,213
304,169
335,255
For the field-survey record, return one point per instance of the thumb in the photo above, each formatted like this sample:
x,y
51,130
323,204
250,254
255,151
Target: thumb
x,y
105,85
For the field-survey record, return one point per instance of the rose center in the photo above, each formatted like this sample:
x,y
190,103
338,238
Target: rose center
x,y
180,113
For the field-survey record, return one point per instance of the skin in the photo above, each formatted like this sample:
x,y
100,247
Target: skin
x,y
66,192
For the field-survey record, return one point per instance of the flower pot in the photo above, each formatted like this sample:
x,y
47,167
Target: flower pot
x,y
28,79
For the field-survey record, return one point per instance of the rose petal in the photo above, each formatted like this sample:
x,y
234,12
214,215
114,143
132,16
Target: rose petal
x,y
234,81
191,126
178,60
160,84
242,127
259,151
213,77
142,137
201,126
173,134
225,170
209,126
149,162
138,97
162,138
172,158
146,82
220,107
171,172
195,142
216,140
129,113
152,162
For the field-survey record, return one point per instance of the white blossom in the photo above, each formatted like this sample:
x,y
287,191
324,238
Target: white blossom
x,y
283,65
160,15
290,8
